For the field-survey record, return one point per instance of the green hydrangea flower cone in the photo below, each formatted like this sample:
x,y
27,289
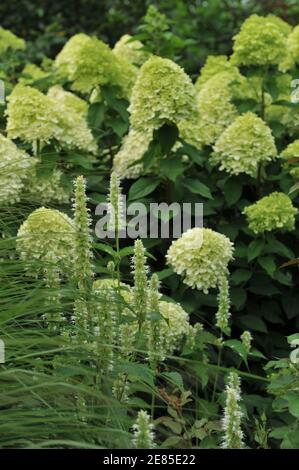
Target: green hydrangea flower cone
x,y
273,212
261,41
215,106
130,50
162,93
16,167
8,40
245,144
89,63
201,257
47,236
215,64
31,115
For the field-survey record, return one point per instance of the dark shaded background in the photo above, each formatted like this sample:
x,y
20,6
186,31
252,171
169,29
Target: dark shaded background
x,y
209,24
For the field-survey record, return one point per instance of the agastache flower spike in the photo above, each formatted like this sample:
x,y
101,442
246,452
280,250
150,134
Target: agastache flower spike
x,y
115,206
83,242
143,432
231,421
223,313
140,291
246,339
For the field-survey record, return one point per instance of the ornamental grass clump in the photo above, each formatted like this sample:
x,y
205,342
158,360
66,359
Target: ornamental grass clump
x,y
244,146
201,257
261,41
163,93
16,167
273,212
231,421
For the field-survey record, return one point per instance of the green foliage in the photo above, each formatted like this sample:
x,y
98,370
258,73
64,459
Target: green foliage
x,y
92,340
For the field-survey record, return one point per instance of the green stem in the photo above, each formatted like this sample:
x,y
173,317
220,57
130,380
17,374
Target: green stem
x,y
216,377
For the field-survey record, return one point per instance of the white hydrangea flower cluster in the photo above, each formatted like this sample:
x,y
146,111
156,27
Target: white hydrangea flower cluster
x,y
215,106
31,115
162,93
190,131
8,40
175,328
47,190
34,116
31,73
72,111
136,143
291,151
15,169
89,63
245,144
47,235
216,64
68,100
134,146
132,51
273,212
201,257
292,46
231,421
261,41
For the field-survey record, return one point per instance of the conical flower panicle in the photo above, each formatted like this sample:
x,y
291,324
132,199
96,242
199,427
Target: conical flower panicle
x,y
140,289
83,266
143,432
231,421
246,339
223,313
272,212
163,93
115,206
201,257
